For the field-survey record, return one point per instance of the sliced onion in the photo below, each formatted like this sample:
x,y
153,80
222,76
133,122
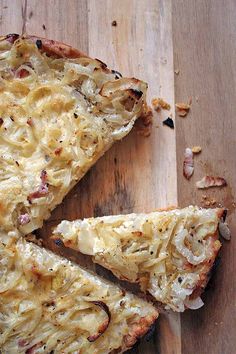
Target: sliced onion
x,y
193,304
178,241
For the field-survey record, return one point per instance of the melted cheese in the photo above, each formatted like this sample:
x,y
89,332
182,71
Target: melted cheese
x,y
166,252
58,116
47,303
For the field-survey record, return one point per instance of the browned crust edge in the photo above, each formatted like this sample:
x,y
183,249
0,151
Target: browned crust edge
x,y
207,266
57,48
138,329
49,46
207,269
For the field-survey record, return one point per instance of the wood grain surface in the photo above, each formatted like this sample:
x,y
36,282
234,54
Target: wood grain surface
x,y
151,39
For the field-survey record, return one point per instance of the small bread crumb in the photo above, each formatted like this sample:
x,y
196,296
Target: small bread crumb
x,y
182,113
177,71
183,108
160,103
196,149
114,23
207,201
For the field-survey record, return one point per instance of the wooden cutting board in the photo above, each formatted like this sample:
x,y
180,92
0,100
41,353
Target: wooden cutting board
x,y
151,40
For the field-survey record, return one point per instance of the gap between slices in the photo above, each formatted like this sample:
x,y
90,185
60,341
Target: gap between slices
x,y
169,253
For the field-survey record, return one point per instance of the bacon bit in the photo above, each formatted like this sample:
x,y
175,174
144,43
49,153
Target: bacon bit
x,y
103,327
114,23
196,149
43,188
30,122
22,73
188,163
211,181
23,342
169,122
24,219
58,151
160,103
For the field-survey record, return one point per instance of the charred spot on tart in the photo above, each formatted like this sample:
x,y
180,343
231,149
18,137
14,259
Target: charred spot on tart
x,y
103,327
117,74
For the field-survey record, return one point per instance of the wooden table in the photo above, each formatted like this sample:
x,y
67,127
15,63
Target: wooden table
x,y
152,39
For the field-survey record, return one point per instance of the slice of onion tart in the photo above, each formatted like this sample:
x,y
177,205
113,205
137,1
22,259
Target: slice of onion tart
x,y
59,112
169,253
48,304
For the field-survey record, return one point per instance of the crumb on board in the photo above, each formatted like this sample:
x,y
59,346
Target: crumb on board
x,y
144,123
169,122
183,108
159,103
114,23
196,149
177,71
182,113
208,201
44,27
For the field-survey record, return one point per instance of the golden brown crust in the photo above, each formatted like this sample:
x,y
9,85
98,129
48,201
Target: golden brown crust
x,y
138,330
57,48
49,46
